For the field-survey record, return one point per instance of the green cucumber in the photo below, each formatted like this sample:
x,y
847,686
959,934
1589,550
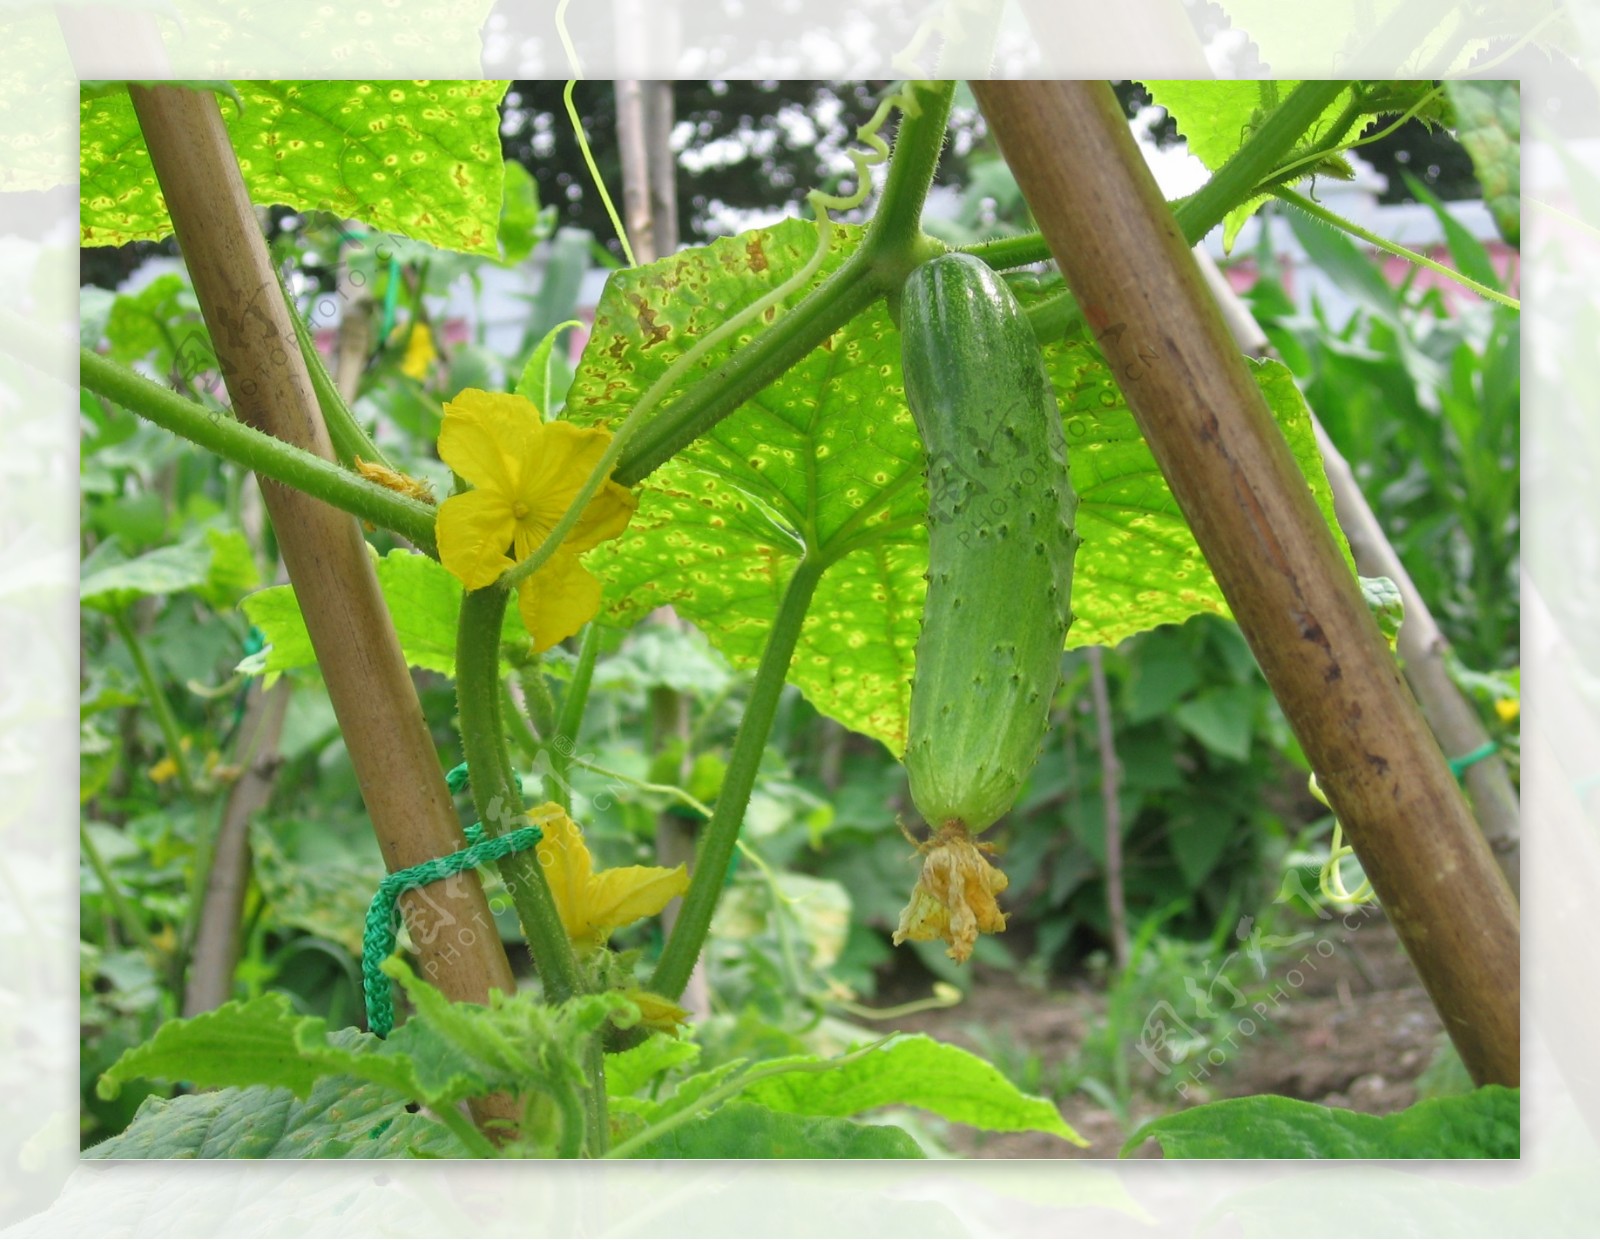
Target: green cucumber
x,y
1001,542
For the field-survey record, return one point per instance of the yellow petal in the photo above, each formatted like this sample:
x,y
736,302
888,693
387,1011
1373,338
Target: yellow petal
x,y
488,436
549,479
565,859
605,518
592,905
558,600
623,895
954,898
1507,708
419,353
474,530
655,1012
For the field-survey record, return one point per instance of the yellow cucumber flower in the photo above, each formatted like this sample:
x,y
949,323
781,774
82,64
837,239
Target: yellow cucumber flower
x,y
593,905
525,473
420,351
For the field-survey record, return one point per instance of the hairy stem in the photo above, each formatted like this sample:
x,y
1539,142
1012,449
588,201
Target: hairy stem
x,y
1319,212
1253,162
721,834
266,455
562,744
349,440
494,787
895,235
893,245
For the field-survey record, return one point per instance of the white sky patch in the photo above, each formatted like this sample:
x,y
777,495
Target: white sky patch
x,y
1176,171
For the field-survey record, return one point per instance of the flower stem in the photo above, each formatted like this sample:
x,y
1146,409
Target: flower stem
x,y
494,787
721,834
270,457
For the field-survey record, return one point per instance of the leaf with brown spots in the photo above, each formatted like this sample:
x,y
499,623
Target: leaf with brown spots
x,y
828,460
344,147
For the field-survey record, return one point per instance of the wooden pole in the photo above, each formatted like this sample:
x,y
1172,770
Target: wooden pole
x,y
1275,559
326,557
1422,646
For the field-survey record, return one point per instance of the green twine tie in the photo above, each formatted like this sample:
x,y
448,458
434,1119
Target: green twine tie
x,y
1458,766
377,939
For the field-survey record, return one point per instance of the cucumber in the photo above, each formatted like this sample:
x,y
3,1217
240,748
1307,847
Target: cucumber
x,y
1001,543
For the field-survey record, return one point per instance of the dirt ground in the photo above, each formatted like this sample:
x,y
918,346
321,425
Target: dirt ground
x,y
1355,1032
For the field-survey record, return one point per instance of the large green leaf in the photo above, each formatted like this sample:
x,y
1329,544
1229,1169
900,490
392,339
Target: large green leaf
x,y
424,601
445,1053
340,1118
827,460
920,1072
418,158
1483,1124
744,1130
213,563
1489,125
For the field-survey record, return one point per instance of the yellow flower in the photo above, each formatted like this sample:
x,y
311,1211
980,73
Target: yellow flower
x,y
655,1013
525,473
1507,708
593,905
954,898
420,353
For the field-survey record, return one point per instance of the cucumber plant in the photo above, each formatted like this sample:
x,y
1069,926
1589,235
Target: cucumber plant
x,y
797,529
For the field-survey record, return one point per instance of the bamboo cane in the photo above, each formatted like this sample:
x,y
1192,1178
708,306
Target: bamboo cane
x,y
1297,603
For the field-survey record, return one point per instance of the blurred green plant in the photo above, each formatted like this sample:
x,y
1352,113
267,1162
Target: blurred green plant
x,y
1422,394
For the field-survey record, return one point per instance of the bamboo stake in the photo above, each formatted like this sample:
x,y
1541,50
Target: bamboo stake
x,y
326,557
1422,646
1276,561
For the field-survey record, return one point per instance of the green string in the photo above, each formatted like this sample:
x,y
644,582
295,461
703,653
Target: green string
x,y
1458,766
391,299
377,939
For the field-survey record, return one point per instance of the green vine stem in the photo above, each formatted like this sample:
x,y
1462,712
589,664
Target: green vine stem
x,y
849,290
1319,212
894,244
266,455
159,706
477,1145
562,743
1237,180
721,834
895,237
494,787
536,689
349,440
524,737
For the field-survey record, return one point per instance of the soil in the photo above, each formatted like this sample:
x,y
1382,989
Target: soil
x,y
1355,1032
